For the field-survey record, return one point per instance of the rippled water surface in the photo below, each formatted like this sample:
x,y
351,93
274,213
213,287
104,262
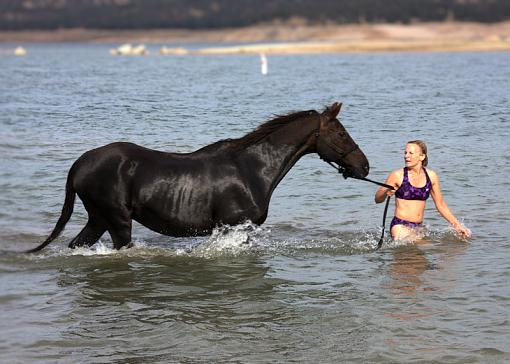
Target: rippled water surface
x,y
306,286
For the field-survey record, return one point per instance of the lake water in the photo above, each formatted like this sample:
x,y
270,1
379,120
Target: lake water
x,y
309,287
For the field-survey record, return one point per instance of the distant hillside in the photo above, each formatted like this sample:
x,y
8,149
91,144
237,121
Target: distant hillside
x,y
209,14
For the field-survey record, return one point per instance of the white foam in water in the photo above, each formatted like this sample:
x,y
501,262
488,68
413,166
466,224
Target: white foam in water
x,y
138,248
320,242
97,249
227,241
427,236
224,241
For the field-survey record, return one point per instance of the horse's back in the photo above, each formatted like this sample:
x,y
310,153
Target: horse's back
x,y
110,168
106,157
116,150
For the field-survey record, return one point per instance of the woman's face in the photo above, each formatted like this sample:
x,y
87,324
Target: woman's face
x,y
413,155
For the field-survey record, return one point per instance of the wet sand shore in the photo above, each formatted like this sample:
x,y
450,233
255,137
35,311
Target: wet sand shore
x,y
297,38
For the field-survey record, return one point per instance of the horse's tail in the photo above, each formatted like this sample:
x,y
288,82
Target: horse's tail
x,y
67,211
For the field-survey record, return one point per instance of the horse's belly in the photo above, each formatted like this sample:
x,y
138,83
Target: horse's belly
x,y
175,225
182,212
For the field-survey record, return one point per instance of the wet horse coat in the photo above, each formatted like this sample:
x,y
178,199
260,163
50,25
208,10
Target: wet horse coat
x,y
189,194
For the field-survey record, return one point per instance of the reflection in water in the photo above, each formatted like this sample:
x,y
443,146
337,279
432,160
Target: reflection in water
x,y
170,302
117,281
406,269
416,272
424,267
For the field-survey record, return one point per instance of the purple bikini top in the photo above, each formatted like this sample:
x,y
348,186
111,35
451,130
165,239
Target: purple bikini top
x,y
407,191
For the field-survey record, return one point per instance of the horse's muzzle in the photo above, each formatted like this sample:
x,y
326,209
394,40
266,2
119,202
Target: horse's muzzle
x,y
356,173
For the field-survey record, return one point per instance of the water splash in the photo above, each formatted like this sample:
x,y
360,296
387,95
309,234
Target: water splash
x,y
248,238
345,243
229,241
97,249
427,236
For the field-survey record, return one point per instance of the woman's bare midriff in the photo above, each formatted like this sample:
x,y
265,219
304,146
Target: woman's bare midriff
x,y
410,210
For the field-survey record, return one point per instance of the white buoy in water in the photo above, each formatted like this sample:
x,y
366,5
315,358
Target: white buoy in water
x,y
129,50
20,51
263,64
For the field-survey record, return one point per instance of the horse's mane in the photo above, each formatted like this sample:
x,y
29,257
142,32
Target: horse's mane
x,y
269,127
260,132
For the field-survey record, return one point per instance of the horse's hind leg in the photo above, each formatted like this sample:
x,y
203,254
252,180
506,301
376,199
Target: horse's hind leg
x,y
89,235
120,231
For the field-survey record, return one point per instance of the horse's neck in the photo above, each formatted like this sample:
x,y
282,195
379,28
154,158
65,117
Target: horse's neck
x,y
272,158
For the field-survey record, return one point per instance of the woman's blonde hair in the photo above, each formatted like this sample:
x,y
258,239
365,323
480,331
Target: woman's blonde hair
x,y
423,148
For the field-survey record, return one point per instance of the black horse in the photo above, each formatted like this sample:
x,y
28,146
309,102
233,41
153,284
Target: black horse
x,y
189,194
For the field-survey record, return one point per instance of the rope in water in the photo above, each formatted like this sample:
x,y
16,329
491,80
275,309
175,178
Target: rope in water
x,y
342,170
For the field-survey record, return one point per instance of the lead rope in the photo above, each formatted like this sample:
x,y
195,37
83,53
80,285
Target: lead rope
x,y
341,170
379,244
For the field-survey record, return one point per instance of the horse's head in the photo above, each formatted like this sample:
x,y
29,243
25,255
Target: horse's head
x,y
334,144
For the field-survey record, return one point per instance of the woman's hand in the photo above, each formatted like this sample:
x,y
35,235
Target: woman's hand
x,y
462,230
390,193
392,180
381,194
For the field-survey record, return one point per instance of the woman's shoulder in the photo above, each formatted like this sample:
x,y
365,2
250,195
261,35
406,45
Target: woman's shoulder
x,y
432,174
430,171
397,172
397,175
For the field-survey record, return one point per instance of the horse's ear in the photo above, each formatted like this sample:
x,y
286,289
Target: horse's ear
x,y
335,109
332,111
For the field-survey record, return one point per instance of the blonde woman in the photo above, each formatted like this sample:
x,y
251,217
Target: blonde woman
x,y
413,185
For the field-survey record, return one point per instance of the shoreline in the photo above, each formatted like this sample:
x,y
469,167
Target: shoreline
x,y
295,38
357,47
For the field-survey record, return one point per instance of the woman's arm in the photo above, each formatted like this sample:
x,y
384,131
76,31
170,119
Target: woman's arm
x,y
443,208
394,179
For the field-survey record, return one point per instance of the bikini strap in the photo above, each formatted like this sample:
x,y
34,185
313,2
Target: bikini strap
x,y
428,180
406,176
